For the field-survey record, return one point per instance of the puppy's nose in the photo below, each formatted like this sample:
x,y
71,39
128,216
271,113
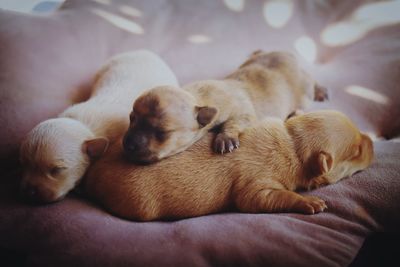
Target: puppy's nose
x,y
136,143
128,144
30,192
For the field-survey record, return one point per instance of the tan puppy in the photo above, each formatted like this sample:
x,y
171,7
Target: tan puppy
x,y
57,152
167,120
275,160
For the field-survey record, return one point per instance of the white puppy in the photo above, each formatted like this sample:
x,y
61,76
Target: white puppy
x,y
56,153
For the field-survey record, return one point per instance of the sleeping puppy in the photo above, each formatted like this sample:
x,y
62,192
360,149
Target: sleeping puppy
x,y
167,120
275,160
56,153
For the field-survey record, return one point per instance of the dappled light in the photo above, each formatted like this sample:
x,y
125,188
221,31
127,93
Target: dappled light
x,y
234,5
277,13
103,2
306,47
365,19
367,94
119,21
199,39
130,11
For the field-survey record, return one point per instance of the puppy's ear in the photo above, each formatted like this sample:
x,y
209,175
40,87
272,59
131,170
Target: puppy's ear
x,y
321,163
96,147
325,162
365,148
205,115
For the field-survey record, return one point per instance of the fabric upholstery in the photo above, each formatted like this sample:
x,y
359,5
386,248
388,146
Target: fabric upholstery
x,y
47,62
75,232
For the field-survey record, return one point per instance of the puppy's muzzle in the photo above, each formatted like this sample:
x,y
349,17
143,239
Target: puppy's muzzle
x,y
36,195
135,147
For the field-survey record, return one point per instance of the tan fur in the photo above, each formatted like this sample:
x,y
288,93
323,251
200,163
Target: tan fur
x,y
56,153
268,84
276,159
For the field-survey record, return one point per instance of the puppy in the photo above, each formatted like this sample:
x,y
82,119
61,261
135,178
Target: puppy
x,y
56,153
275,159
167,120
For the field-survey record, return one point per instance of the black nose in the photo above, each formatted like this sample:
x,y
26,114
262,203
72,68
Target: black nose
x,y
129,145
30,193
135,142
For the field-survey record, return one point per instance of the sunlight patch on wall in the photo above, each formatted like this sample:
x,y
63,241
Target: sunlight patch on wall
x,y
199,39
234,5
103,2
119,21
130,11
277,13
367,94
366,18
306,47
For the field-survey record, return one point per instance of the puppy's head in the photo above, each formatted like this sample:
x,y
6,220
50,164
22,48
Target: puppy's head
x,y
329,145
55,156
165,121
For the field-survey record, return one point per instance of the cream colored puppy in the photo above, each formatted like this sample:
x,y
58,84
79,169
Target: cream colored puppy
x,y
56,153
275,160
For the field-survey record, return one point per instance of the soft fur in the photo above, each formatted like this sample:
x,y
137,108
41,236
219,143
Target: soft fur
x,y
56,153
276,158
167,120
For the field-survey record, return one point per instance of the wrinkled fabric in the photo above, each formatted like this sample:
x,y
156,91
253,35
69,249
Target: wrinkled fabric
x,y
75,232
48,62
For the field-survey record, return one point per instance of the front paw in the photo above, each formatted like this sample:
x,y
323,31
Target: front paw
x,y
224,143
311,205
317,182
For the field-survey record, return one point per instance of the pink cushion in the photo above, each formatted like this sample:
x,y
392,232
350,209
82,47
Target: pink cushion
x,y
47,62
75,232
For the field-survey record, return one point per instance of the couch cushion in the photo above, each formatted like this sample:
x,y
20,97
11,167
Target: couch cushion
x,y
47,62
75,232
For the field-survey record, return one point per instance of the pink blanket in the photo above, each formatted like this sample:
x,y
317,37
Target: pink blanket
x,y
75,232
47,63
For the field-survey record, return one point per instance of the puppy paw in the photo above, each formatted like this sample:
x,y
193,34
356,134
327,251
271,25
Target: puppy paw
x,y
311,205
224,143
318,182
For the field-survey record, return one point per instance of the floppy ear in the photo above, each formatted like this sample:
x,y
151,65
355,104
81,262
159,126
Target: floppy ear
x,y
355,151
96,147
321,163
365,145
325,162
205,115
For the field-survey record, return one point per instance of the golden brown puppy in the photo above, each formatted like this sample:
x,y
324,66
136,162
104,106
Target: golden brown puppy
x,y
275,160
56,153
167,120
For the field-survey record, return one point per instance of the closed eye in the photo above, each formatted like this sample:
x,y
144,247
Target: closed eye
x,y
55,171
161,135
